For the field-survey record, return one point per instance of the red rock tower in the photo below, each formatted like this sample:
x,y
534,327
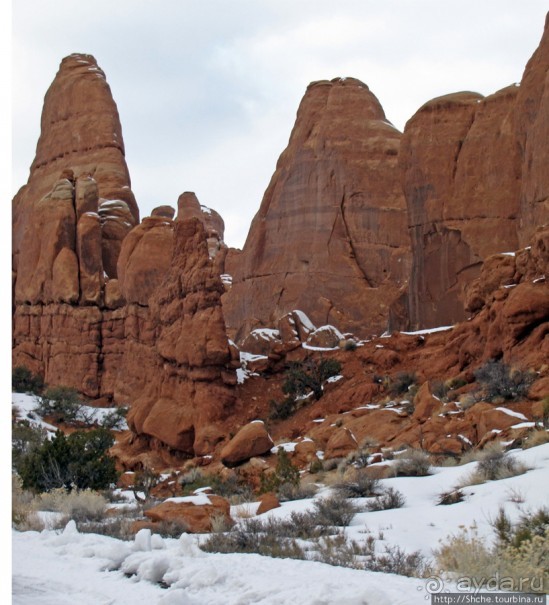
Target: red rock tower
x,y
330,237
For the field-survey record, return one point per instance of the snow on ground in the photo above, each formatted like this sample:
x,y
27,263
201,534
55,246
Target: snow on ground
x,y
68,568
26,403
54,567
429,331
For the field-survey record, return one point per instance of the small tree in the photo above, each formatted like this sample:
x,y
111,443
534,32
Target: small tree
x,y
79,460
24,381
62,403
286,473
309,376
25,438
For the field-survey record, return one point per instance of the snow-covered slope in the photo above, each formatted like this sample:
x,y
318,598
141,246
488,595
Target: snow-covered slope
x,y
72,568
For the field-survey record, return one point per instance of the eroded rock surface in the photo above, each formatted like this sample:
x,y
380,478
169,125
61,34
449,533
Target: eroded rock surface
x,y
330,237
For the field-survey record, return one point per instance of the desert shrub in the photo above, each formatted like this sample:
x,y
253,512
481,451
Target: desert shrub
x,y
271,536
285,472
413,463
396,560
339,551
401,383
526,528
335,510
310,375
235,489
500,382
350,345
443,389
23,512
24,381
466,553
494,464
120,527
361,485
62,403
80,505
242,540
545,412
301,536
440,389
390,498
316,466
358,459
516,561
289,491
171,529
79,460
450,497
280,410
144,481
332,464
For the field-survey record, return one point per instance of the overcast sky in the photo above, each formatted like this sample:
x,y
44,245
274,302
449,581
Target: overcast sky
x,y
207,90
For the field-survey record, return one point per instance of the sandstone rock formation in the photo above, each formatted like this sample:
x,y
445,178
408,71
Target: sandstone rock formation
x,y
188,206
194,513
251,440
69,222
132,313
187,392
81,134
330,236
267,502
532,127
474,187
144,259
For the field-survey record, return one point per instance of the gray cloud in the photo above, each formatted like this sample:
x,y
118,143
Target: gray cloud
x,y
207,91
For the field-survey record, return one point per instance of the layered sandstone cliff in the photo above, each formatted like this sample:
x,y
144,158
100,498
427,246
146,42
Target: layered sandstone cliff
x,y
475,179
330,235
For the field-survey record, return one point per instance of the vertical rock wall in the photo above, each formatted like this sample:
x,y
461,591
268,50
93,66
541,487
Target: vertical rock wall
x,y
330,235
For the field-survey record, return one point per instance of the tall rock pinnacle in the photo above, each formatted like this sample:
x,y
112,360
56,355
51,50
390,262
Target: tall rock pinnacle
x,y
80,142
331,235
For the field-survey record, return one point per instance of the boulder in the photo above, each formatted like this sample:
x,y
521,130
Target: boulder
x,y
340,443
116,222
164,211
267,502
251,440
424,403
261,341
325,337
194,513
